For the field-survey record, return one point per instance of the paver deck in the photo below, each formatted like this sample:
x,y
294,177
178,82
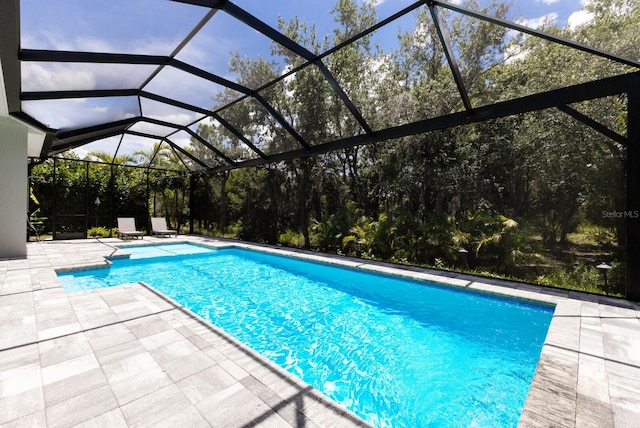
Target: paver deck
x,y
128,356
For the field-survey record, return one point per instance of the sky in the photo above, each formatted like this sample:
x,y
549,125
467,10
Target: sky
x,y
156,27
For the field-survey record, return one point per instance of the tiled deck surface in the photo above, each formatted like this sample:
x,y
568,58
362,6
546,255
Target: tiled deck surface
x,y
128,356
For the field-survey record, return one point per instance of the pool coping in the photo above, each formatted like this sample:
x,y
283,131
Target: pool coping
x,y
588,373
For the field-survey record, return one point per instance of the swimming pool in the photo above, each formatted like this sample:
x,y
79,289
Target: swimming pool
x,y
396,352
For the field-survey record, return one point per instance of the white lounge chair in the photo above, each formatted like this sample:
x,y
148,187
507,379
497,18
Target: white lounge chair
x,y
127,228
159,227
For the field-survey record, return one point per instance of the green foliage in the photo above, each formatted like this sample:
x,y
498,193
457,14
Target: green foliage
x,y
364,238
328,234
592,234
100,231
494,237
235,229
291,238
580,277
524,195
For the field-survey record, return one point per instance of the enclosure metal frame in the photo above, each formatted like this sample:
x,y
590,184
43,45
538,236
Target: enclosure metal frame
x,y
57,141
86,201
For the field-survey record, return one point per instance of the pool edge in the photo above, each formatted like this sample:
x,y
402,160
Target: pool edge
x,y
601,358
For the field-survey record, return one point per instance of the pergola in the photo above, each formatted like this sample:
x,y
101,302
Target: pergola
x,y
44,140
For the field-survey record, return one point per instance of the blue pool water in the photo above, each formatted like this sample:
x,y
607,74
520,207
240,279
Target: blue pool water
x,y
394,351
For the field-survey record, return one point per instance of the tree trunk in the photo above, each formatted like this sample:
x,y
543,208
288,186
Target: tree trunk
x,y
317,204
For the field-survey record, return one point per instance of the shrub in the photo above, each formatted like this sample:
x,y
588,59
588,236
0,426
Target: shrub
x,y
583,277
291,238
99,231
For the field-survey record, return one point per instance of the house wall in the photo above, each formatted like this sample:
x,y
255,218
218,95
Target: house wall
x,y
13,188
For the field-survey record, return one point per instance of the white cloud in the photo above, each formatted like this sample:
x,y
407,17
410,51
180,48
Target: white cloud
x,y
578,18
92,44
56,114
37,77
130,144
548,1
77,113
133,143
583,16
107,145
514,52
181,139
182,86
182,119
99,109
152,129
538,22
82,76
56,41
167,113
82,153
151,46
61,41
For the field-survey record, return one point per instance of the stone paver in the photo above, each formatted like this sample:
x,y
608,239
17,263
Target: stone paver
x,y
127,356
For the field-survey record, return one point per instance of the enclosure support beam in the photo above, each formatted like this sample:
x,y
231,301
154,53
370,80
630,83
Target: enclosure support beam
x,y
148,194
451,59
633,193
86,200
193,181
595,125
54,208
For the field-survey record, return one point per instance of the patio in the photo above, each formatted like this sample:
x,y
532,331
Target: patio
x,y
128,356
